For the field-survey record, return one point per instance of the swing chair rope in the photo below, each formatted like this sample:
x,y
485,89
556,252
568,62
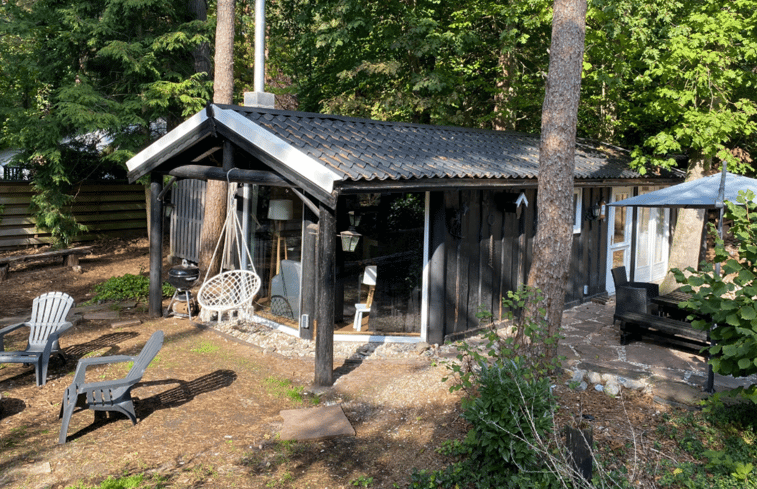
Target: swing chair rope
x,y
234,288
237,231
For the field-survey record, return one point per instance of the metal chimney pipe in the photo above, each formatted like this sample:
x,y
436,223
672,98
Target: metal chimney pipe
x,y
259,73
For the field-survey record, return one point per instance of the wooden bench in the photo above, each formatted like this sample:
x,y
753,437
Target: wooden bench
x,y
634,325
70,258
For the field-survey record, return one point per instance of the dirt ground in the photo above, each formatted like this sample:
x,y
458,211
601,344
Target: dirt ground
x,y
209,407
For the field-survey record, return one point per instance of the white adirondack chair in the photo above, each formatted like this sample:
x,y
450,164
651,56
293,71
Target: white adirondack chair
x,y
47,323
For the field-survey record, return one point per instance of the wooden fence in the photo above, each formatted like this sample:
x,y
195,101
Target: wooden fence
x,y
107,209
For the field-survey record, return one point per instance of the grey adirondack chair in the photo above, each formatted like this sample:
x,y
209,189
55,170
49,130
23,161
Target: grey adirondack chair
x,y
47,323
108,395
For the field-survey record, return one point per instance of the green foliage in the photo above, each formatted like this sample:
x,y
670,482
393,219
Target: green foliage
x,y
729,304
126,287
362,481
406,212
91,79
284,388
205,347
509,405
722,440
126,482
465,64
660,77
669,78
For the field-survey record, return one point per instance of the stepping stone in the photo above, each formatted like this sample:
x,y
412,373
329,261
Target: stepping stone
x,y
320,423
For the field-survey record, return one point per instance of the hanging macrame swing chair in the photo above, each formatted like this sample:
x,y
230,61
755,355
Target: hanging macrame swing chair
x,y
233,290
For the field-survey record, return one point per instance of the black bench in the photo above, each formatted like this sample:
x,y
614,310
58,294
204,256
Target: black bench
x,y
634,325
631,306
70,258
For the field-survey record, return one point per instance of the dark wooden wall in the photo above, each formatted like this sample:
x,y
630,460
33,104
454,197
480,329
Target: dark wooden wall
x,y
588,264
487,251
486,248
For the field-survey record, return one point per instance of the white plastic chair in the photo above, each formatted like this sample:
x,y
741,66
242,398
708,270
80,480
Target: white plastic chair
x,y
369,279
47,323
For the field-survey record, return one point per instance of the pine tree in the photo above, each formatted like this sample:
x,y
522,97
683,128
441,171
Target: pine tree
x,y
111,76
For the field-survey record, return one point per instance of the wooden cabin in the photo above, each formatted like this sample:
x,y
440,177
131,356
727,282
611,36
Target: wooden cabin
x,y
445,217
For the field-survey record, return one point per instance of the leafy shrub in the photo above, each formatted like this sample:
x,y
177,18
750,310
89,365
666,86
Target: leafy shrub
x,y
508,415
126,287
732,306
509,405
723,435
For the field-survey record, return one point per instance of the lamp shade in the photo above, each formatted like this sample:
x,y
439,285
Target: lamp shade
x,y
280,210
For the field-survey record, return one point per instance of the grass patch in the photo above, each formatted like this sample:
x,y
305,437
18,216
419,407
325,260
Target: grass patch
x,y
284,388
205,347
126,482
722,439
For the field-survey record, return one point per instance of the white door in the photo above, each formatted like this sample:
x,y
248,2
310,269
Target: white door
x,y
619,229
651,242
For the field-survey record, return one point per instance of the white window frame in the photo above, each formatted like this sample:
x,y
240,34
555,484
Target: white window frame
x,y
578,197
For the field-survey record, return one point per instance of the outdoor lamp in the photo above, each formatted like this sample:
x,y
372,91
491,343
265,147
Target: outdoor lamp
x,y
351,237
597,211
354,219
349,240
278,211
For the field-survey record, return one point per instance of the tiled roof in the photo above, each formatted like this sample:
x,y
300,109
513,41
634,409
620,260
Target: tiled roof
x,y
362,149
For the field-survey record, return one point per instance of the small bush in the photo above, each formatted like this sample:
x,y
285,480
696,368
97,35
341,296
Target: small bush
x,y
126,287
507,416
509,405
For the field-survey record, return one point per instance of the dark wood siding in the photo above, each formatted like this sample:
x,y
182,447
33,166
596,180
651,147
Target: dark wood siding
x,y
488,252
106,208
589,254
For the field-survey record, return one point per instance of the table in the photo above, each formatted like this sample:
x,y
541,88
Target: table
x,y
668,303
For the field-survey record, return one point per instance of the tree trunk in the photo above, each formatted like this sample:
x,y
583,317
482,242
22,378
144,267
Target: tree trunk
x,y
687,237
503,97
554,236
201,54
223,93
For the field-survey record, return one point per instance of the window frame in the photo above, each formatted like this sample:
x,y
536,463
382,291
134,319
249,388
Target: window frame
x,y
578,210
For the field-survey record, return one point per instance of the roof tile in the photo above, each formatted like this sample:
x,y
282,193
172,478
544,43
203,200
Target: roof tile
x,y
362,149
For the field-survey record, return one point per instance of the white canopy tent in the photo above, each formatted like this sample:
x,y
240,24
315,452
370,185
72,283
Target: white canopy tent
x,y
704,193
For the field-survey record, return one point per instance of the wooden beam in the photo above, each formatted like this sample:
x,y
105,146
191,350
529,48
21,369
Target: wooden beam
x,y
324,339
239,175
156,248
202,172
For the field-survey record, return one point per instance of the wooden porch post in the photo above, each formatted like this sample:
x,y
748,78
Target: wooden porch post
x,y
324,335
156,247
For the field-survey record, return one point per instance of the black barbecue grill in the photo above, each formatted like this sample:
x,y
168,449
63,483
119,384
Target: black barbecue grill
x,y
183,278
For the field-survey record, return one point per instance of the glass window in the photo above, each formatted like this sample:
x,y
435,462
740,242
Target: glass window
x,y
577,205
391,249
277,249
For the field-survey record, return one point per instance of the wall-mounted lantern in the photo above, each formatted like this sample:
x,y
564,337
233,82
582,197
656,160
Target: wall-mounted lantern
x,y
596,212
351,237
